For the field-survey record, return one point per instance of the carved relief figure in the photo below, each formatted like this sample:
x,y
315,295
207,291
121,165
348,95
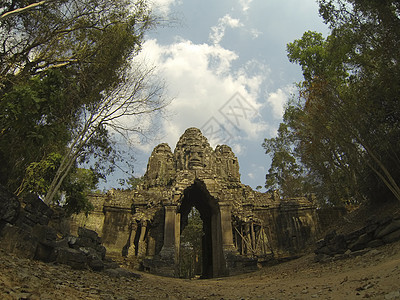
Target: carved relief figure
x,y
228,166
160,169
192,151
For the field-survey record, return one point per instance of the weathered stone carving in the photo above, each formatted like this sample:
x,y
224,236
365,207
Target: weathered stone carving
x,y
227,164
160,169
193,152
241,227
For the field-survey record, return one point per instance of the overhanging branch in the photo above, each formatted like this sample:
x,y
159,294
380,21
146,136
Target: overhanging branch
x,y
22,9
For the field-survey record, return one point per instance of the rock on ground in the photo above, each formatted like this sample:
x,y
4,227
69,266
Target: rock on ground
x,y
375,275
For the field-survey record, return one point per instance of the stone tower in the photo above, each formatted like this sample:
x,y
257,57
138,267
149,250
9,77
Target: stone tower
x,y
241,227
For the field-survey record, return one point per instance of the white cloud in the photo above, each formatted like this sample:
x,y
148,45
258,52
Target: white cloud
x,y
238,149
218,31
257,172
163,6
277,101
245,4
255,33
202,80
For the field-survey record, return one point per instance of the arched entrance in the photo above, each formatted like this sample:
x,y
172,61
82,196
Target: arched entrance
x,y
197,196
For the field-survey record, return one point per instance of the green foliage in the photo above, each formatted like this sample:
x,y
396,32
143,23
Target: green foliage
x,y
191,246
310,52
344,129
58,61
32,123
286,173
76,188
133,182
39,174
73,194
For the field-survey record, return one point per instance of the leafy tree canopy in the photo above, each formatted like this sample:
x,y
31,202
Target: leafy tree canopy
x,y
60,63
343,130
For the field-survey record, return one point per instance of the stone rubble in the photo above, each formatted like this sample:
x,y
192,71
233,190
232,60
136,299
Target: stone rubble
x,y
25,231
376,233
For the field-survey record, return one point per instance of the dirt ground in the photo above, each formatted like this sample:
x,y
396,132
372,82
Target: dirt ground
x,y
374,275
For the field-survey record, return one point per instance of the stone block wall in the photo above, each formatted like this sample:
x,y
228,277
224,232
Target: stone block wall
x,y
116,231
94,220
290,229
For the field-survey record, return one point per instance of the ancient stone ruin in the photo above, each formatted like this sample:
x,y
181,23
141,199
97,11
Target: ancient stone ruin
x,y
30,229
241,227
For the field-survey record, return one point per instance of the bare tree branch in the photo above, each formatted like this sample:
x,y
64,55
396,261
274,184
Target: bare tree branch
x,y
138,95
22,9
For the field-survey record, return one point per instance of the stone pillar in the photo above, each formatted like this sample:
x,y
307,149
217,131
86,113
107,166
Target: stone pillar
x,y
151,246
226,226
177,237
142,242
131,244
218,264
168,249
253,236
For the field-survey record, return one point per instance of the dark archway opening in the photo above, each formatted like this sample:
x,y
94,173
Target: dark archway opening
x,y
197,197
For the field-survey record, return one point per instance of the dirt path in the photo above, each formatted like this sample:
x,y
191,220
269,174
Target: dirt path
x,y
374,275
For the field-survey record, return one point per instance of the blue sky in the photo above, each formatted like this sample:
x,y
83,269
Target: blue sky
x,y
225,66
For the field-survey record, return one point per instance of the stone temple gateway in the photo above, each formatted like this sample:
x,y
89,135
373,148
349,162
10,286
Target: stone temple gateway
x,y
241,227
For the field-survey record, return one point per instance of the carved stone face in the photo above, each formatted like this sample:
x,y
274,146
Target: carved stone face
x,y
192,151
195,157
162,149
160,162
